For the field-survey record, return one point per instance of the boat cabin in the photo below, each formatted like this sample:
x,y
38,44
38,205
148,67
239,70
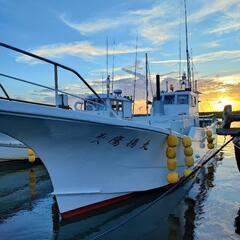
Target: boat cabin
x,y
179,102
121,105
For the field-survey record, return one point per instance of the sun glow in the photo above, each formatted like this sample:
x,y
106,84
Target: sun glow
x,y
213,105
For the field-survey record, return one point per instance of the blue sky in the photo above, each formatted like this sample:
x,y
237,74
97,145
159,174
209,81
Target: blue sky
x,y
74,33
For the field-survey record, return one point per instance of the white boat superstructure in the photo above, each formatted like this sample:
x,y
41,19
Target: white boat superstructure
x,y
98,153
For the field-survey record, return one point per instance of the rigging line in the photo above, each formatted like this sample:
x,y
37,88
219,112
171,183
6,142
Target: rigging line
x,y
113,64
135,73
146,207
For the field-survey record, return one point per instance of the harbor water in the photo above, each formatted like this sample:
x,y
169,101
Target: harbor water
x,y
207,208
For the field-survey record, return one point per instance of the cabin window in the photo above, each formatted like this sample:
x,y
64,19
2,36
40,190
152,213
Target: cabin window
x,y
117,106
182,99
194,101
169,99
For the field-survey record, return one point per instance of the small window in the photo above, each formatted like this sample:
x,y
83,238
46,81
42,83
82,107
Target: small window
x,y
194,102
169,99
117,106
182,99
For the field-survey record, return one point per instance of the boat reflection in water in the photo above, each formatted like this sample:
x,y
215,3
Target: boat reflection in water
x,y
21,186
28,210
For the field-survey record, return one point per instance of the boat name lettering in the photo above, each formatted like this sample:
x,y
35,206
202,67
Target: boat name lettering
x,y
133,142
100,136
116,140
145,145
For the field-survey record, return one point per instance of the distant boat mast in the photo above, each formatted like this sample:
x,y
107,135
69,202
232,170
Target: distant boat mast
x,y
187,51
146,69
135,73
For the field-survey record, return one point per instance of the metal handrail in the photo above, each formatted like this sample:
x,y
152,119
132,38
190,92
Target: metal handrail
x,y
46,87
55,69
5,92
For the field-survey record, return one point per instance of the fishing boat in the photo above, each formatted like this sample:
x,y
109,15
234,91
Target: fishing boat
x,y
97,153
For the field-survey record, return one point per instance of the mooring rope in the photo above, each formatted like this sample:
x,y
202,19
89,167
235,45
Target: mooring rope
x,y
182,181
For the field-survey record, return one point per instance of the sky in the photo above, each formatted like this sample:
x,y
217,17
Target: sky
x,y
75,33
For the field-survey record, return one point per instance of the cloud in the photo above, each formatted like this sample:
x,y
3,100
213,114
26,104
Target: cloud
x,y
94,26
157,23
218,89
206,57
212,44
150,24
82,49
229,22
212,7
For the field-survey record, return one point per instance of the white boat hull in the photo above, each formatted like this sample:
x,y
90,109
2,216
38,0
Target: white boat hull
x,y
89,158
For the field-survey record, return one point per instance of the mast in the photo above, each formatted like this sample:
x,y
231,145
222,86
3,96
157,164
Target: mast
x,y
135,74
146,72
113,64
180,46
193,82
187,51
107,55
108,76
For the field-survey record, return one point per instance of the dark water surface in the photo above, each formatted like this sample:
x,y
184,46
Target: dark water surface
x,y
208,211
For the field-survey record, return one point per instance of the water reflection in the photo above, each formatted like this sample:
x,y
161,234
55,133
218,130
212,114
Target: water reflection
x,y
237,223
25,201
21,185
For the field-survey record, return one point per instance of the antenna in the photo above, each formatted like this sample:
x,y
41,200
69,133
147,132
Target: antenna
x,y
193,82
113,64
180,46
187,52
135,74
107,54
146,69
102,82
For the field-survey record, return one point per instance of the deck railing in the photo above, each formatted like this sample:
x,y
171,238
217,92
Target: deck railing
x,y
55,68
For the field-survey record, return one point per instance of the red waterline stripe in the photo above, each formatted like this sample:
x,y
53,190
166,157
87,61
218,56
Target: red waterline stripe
x,y
92,207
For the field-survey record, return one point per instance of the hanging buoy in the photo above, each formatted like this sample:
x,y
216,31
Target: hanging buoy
x,y
171,152
210,139
31,155
188,151
186,141
209,133
210,145
173,177
187,172
189,161
172,163
172,140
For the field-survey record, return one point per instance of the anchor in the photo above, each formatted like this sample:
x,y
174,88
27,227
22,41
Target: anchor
x,y
227,118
